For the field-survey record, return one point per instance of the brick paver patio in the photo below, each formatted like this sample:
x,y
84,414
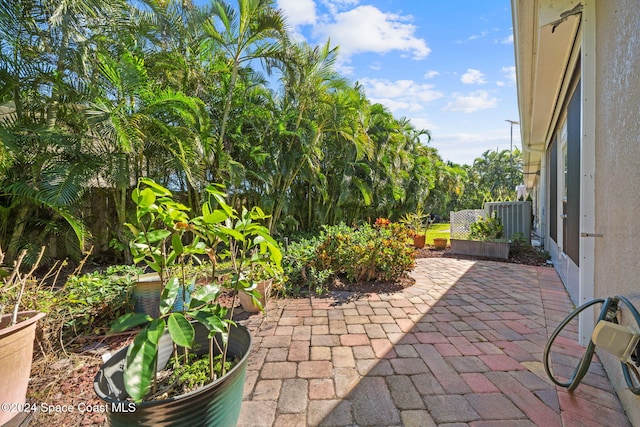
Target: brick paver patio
x,y
463,346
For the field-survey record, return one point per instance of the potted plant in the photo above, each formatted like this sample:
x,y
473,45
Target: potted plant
x,y
440,243
261,276
485,240
418,222
203,332
17,334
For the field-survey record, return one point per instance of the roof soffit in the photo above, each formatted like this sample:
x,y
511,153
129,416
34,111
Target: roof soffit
x,y
545,34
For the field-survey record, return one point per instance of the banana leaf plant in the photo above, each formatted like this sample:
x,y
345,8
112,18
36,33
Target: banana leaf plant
x,y
167,238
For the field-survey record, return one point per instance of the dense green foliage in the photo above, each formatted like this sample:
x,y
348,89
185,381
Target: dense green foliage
x,y
98,93
364,253
489,228
87,304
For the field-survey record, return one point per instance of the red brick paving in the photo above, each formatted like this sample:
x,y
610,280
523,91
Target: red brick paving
x,y
463,346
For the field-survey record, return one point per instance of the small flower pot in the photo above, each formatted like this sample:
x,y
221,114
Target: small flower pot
x,y
264,287
146,294
440,243
419,240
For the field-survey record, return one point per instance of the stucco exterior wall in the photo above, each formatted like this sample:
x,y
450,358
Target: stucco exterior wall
x,y
617,178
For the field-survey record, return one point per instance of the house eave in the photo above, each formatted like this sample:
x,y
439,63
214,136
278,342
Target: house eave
x,y
545,43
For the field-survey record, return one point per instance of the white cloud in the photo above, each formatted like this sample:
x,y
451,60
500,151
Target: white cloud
x,y
473,77
474,101
400,91
465,147
422,123
398,105
335,6
367,29
507,40
509,73
431,74
482,34
299,12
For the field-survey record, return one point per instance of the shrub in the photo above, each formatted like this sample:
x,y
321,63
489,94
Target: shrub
x,y
300,271
486,229
87,304
364,253
92,301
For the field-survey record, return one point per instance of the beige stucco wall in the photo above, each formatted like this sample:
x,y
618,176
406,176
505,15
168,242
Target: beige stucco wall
x,y
617,178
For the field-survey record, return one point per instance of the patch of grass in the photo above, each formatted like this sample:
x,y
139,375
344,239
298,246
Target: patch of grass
x,y
438,230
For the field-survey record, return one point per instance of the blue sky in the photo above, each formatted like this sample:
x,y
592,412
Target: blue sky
x,y
446,65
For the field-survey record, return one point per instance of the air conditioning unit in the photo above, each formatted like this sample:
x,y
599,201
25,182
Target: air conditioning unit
x,y
515,217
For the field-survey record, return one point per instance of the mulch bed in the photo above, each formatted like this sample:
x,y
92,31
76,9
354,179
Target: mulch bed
x,y
343,290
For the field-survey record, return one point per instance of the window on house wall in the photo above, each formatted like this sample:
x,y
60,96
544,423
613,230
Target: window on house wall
x,y
574,138
562,176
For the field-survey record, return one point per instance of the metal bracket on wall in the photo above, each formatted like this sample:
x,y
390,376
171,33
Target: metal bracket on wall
x,y
591,235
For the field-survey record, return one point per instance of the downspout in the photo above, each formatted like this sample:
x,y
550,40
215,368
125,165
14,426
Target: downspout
x,y
540,199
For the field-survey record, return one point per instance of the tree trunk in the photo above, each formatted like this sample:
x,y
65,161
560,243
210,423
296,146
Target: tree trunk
x,y
16,235
120,200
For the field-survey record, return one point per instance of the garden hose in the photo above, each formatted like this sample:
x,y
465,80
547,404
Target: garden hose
x,y
607,314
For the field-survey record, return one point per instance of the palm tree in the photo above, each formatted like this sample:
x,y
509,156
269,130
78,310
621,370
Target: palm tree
x,y
253,31
313,111
497,170
46,161
140,128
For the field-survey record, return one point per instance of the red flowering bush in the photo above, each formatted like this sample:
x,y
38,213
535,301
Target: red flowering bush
x,y
382,223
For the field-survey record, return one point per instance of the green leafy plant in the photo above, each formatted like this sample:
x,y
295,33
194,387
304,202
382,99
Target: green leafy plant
x,y
299,272
418,221
89,303
168,240
362,253
489,228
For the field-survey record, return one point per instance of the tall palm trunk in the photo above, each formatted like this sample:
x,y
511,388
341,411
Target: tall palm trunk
x,y
120,199
18,231
227,109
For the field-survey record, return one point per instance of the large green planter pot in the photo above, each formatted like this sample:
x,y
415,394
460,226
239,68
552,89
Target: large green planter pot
x,y
16,352
216,404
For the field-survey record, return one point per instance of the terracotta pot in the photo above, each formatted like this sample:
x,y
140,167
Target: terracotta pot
x,y
419,240
440,243
16,352
264,287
